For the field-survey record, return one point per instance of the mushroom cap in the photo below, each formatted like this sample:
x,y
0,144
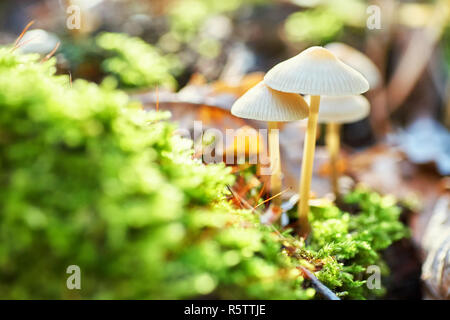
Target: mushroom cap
x,y
265,104
345,109
358,61
316,71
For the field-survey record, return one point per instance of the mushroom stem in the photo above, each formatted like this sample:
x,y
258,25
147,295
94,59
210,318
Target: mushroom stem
x,y
275,165
307,166
332,141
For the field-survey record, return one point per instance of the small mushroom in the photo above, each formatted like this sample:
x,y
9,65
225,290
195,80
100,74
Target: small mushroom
x,y
315,71
358,61
265,104
335,111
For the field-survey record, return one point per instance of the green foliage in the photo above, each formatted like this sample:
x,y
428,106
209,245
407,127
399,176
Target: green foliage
x,y
135,63
89,179
187,16
318,26
325,22
354,240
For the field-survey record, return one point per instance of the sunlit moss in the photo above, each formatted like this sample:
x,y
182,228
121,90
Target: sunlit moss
x,y
88,178
137,64
351,242
316,26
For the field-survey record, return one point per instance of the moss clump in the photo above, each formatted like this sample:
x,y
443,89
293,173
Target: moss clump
x,y
320,25
135,63
89,179
343,245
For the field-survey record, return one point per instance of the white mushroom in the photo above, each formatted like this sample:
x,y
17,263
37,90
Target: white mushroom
x,y
335,111
315,71
265,104
358,61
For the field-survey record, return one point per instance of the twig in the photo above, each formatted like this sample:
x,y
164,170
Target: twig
x,y
48,56
277,195
319,286
248,206
16,44
25,43
261,191
242,201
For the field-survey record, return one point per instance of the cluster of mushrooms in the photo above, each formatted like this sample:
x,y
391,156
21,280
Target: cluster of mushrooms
x,y
332,80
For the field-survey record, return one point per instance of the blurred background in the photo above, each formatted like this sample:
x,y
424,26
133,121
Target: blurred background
x,y
199,56
211,40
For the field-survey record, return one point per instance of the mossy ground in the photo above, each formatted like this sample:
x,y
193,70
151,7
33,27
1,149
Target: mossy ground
x,y
89,178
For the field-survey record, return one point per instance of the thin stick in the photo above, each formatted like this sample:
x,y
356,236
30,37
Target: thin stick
x,y
272,197
248,206
275,165
25,43
307,166
319,286
48,56
21,35
261,191
333,145
241,201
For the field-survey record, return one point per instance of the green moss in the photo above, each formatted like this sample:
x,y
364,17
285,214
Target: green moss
x,y
351,242
135,63
317,26
90,179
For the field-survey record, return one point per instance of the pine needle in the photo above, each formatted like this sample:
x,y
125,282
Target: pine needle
x,y
48,56
277,195
239,198
25,43
16,44
261,191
